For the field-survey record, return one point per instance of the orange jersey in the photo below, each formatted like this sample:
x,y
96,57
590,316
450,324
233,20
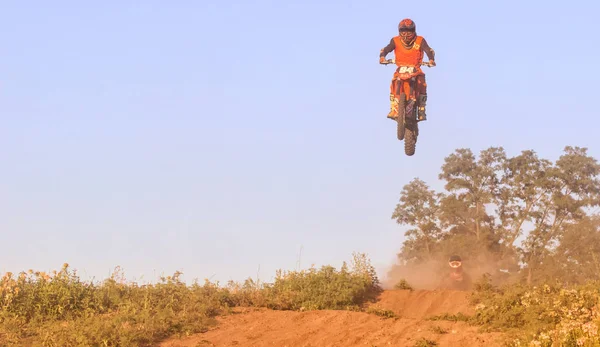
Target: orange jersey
x,y
408,57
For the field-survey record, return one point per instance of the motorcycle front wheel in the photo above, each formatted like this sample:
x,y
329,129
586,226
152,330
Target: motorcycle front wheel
x,y
401,114
410,130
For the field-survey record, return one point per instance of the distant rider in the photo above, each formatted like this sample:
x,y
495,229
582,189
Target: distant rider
x,y
457,279
408,51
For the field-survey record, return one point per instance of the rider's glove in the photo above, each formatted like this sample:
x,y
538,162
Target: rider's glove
x,y
432,62
381,60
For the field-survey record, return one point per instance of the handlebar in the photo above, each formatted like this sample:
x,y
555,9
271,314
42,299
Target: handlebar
x,y
423,63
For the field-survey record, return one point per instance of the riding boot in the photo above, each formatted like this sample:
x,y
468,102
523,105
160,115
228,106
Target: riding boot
x,y
393,108
421,109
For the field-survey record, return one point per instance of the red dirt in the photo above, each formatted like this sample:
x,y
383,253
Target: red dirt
x,y
420,304
262,327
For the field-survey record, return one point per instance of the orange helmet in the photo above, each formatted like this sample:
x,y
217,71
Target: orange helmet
x,y
408,31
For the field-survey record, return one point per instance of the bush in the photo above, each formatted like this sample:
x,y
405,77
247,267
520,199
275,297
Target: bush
x,y
403,285
312,289
545,315
61,310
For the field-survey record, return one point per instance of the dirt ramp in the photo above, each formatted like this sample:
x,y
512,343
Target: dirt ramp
x,y
420,304
262,327
259,328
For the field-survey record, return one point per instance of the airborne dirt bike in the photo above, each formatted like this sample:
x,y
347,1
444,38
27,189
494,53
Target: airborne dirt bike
x,y
407,96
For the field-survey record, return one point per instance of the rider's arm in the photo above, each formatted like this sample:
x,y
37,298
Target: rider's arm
x,y
425,47
387,49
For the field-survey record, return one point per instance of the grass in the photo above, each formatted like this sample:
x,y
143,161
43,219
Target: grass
x,y
459,317
59,309
382,312
439,330
423,342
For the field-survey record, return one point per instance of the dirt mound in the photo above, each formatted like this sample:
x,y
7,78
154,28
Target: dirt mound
x,y
424,303
262,327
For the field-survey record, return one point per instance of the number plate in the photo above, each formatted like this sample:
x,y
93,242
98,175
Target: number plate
x,y
406,69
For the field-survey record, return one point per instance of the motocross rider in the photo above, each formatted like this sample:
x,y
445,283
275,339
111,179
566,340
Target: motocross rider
x,y
458,279
408,51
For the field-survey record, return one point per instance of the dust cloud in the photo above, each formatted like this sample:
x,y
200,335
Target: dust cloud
x,y
428,275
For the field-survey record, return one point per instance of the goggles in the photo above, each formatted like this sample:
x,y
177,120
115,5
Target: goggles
x,y
455,264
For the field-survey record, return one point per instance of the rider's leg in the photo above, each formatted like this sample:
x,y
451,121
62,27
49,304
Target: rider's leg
x,y
393,102
422,86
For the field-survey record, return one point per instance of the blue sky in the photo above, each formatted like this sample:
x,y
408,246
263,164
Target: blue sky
x,y
219,137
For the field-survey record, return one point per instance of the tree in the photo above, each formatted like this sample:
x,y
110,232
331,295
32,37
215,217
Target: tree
x,y
472,185
492,201
419,208
577,256
572,185
523,188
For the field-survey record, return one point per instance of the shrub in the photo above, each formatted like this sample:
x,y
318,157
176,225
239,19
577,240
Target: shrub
x,y
59,309
403,285
545,315
326,288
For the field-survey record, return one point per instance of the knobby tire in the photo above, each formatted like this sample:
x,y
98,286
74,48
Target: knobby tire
x,y
411,130
401,115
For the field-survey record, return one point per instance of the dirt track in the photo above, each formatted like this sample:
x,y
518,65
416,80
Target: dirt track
x,y
260,327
